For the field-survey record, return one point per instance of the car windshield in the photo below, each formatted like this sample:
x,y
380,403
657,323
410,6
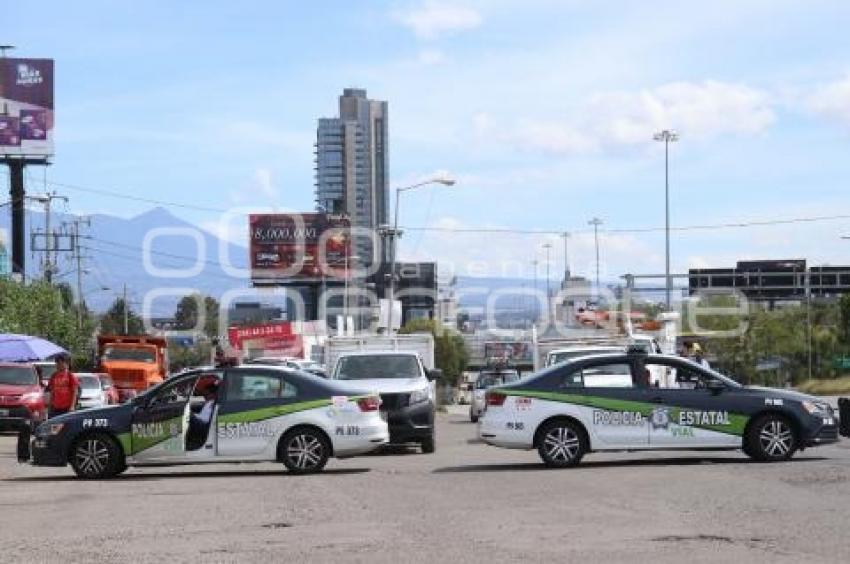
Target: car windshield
x,y
47,369
379,366
125,353
489,379
563,356
89,382
18,376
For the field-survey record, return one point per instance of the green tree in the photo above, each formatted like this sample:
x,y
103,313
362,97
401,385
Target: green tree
x,y
186,314
42,310
112,322
844,321
180,357
450,354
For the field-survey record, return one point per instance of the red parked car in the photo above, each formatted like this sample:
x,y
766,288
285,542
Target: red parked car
x,y
22,401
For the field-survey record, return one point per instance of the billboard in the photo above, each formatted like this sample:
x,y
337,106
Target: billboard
x,y
26,107
513,351
298,247
272,339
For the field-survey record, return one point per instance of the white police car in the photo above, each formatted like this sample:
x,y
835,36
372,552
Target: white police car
x,y
239,414
610,402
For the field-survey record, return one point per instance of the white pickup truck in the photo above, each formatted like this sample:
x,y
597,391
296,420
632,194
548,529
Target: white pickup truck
x,y
401,370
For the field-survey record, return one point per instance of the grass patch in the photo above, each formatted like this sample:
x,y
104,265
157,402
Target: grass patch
x,y
832,387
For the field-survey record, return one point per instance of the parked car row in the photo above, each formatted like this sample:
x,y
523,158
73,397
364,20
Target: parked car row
x,y
24,398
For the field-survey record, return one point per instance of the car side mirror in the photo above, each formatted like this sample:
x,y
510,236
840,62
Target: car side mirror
x,y
434,374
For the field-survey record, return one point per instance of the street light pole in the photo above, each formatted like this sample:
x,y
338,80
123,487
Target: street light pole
x,y
548,247
346,300
393,234
566,236
667,136
596,222
534,301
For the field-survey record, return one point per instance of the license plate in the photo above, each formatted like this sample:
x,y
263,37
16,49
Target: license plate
x,y
4,413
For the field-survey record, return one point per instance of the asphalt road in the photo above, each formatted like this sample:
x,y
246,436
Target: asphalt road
x,y
466,503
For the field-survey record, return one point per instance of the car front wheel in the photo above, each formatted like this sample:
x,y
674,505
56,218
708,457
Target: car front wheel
x,y
561,444
304,451
771,438
97,456
429,445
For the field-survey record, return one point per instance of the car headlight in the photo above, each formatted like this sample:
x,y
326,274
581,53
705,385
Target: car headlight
x,y
49,429
32,397
816,407
419,396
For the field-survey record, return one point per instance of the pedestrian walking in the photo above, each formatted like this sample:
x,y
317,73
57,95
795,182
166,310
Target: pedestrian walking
x,y
64,388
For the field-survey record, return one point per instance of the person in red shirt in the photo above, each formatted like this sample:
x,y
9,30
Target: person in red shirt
x,y
63,387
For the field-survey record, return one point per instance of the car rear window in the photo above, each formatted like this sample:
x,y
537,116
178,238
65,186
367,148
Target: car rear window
x,y
379,366
89,382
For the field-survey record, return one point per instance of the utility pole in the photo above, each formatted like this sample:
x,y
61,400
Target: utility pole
x,y
78,259
50,248
667,136
596,222
534,301
566,236
126,312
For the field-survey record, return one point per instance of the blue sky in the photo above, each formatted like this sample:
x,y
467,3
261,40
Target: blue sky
x,y
544,110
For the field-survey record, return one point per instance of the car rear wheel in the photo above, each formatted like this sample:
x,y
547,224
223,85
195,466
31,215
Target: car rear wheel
x,y
771,438
561,444
304,451
97,456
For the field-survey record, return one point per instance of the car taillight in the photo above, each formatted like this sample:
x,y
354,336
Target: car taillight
x,y
495,398
371,403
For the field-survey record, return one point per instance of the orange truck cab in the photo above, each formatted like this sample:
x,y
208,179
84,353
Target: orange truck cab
x,y
134,363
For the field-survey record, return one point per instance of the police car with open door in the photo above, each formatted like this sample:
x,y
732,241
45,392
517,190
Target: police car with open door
x,y
239,414
610,403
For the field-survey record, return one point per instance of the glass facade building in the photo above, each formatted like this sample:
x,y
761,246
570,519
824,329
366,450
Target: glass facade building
x,y
352,164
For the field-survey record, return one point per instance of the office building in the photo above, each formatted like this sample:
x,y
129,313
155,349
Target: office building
x,y
352,164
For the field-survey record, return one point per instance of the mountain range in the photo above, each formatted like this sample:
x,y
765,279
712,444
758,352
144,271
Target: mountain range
x,y
113,256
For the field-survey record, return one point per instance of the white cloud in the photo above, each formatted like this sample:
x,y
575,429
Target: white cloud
x,y
432,19
431,57
696,110
699,110
832,100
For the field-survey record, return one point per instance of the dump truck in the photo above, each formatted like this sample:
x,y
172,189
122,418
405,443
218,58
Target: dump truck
x,y
134,363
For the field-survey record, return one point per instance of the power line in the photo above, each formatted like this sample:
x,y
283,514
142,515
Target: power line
x,y
136,260
484,230
158,253
729,225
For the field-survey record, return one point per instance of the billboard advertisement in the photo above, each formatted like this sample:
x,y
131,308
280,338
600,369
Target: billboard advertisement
x,y
267,339
26,107
298,247
513,351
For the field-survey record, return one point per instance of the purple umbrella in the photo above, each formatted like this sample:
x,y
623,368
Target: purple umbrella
x,y
25,348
